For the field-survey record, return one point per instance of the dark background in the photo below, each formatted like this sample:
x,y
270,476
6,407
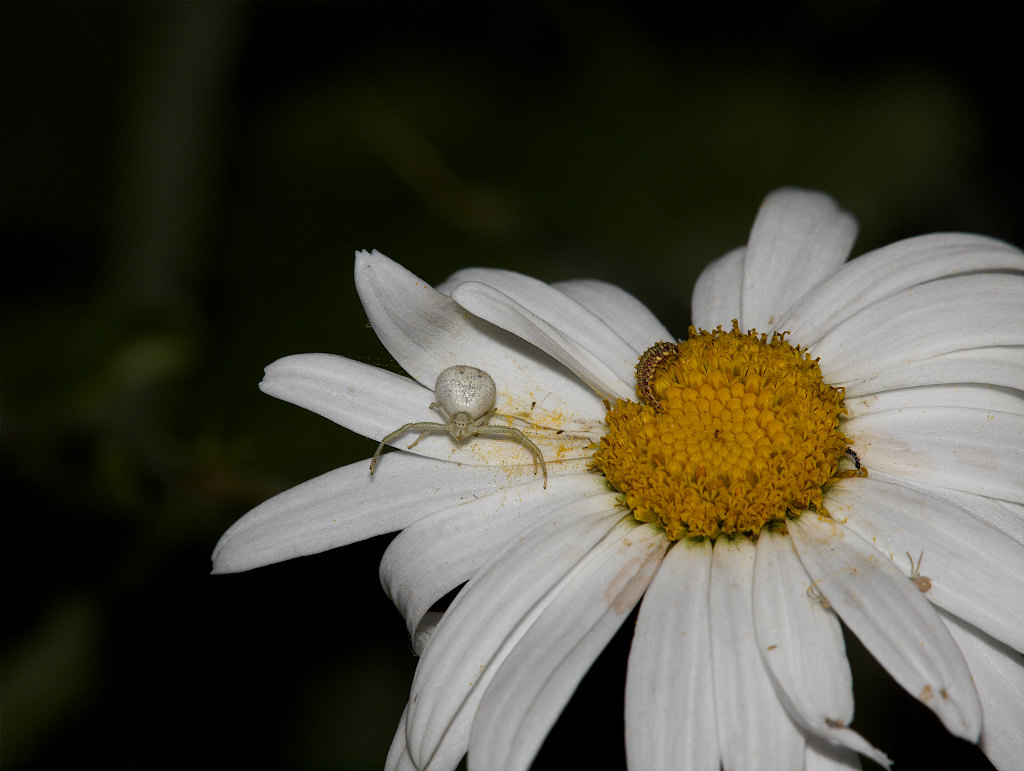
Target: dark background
x,y
183,187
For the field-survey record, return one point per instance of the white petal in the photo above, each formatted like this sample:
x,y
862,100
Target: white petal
x,y
1002,515
560,311
942,316
374,402
398,755
971,450
1001,366
486,620
348,505
998,673
891,269
754,729
368,400
976,572
670,719
462,275
891,618
1016,508
612,377
799,238
425,630
535,682
427,331
983,397
824,756
800,639
802,646
439,552
716,295
619,310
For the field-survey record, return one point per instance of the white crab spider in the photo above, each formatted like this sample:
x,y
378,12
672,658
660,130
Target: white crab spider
x,y
465,399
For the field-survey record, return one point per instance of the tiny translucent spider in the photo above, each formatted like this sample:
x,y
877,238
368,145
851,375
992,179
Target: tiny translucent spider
x,y
815,594
465,399
923,583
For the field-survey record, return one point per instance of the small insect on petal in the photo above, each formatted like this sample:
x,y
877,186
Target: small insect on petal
x,y
645,367
854,457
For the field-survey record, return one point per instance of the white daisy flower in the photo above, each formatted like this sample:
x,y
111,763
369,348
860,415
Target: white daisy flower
x,y
857,457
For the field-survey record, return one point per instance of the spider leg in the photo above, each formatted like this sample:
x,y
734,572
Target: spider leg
x,y
430,428
424,428
518,436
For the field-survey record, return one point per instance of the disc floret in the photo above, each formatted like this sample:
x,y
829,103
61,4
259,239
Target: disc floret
x,y
733,431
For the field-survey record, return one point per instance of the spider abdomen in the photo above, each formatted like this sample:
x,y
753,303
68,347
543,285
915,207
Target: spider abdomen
x,y
462,388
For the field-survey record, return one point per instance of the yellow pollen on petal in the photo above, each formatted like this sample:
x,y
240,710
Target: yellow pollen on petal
x,y
734,431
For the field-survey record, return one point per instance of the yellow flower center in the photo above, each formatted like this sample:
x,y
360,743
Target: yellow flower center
x,y
734,431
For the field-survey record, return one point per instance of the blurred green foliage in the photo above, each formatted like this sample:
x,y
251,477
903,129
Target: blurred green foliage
x,y
183,187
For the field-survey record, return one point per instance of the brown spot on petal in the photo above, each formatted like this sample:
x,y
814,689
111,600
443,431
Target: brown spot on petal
x,y
618,595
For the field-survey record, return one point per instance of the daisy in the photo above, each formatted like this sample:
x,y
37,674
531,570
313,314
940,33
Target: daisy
x,y
833,441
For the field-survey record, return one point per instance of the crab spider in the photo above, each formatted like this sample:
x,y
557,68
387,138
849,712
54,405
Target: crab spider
x,y
465,399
